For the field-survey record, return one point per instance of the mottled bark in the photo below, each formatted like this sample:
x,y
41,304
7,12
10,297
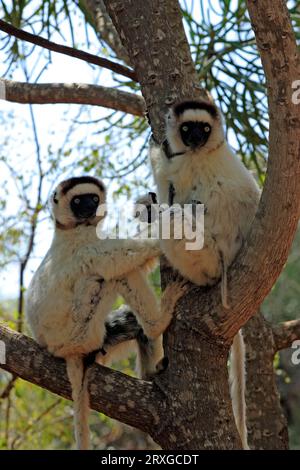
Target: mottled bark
x,y
133,401
267,426
141,404
96,14
77,93
285,333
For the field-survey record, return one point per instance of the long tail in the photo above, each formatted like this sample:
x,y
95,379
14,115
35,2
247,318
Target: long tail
x,y
122,325
80,395
224,290
237,388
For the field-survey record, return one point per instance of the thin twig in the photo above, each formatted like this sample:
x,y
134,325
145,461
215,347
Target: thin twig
x,y
34,422
285,334
70,51
8,388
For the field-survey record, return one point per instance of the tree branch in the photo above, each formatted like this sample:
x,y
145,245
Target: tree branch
x,y
78,93
119,396
70,51
285,334
266,423
96,14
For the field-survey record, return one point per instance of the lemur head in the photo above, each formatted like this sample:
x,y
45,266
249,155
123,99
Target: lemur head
x,y
75,202
194,126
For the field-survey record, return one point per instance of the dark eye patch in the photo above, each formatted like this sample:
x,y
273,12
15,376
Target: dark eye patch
x,y
84,205
195,134
55,200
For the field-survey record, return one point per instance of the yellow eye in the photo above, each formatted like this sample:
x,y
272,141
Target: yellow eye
x,y
185,128
96,199
206,129
77,200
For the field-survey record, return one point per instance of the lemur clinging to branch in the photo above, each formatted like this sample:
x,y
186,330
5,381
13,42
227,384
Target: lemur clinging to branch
x,y
196,165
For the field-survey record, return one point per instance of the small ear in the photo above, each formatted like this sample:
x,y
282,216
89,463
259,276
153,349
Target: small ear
x,y
153,197
54,197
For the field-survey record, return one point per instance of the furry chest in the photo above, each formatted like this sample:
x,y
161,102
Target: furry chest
x,y
192,182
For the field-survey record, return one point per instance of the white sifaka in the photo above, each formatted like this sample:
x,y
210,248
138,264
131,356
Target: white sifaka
x,y
195,165
77,283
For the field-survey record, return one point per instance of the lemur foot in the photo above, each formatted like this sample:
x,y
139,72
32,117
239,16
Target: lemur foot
x,y
146,208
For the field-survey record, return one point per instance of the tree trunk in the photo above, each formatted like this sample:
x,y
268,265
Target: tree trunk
x,y
197,411
267,426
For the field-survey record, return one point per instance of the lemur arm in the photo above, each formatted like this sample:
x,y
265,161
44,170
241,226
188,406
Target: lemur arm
x,y
113,259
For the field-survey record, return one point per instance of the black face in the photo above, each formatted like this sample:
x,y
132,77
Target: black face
x,y
85,206
195,133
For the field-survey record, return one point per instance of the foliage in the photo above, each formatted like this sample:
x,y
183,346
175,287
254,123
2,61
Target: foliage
x,y
283,304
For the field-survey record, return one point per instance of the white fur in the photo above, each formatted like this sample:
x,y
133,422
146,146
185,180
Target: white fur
x,y
67,306
230,195
214,176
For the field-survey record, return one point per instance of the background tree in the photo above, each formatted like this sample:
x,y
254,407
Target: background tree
x,y
154,44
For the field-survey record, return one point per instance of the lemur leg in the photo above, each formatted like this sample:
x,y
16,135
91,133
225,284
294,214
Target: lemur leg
x,y
92,301
139,295
150,353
